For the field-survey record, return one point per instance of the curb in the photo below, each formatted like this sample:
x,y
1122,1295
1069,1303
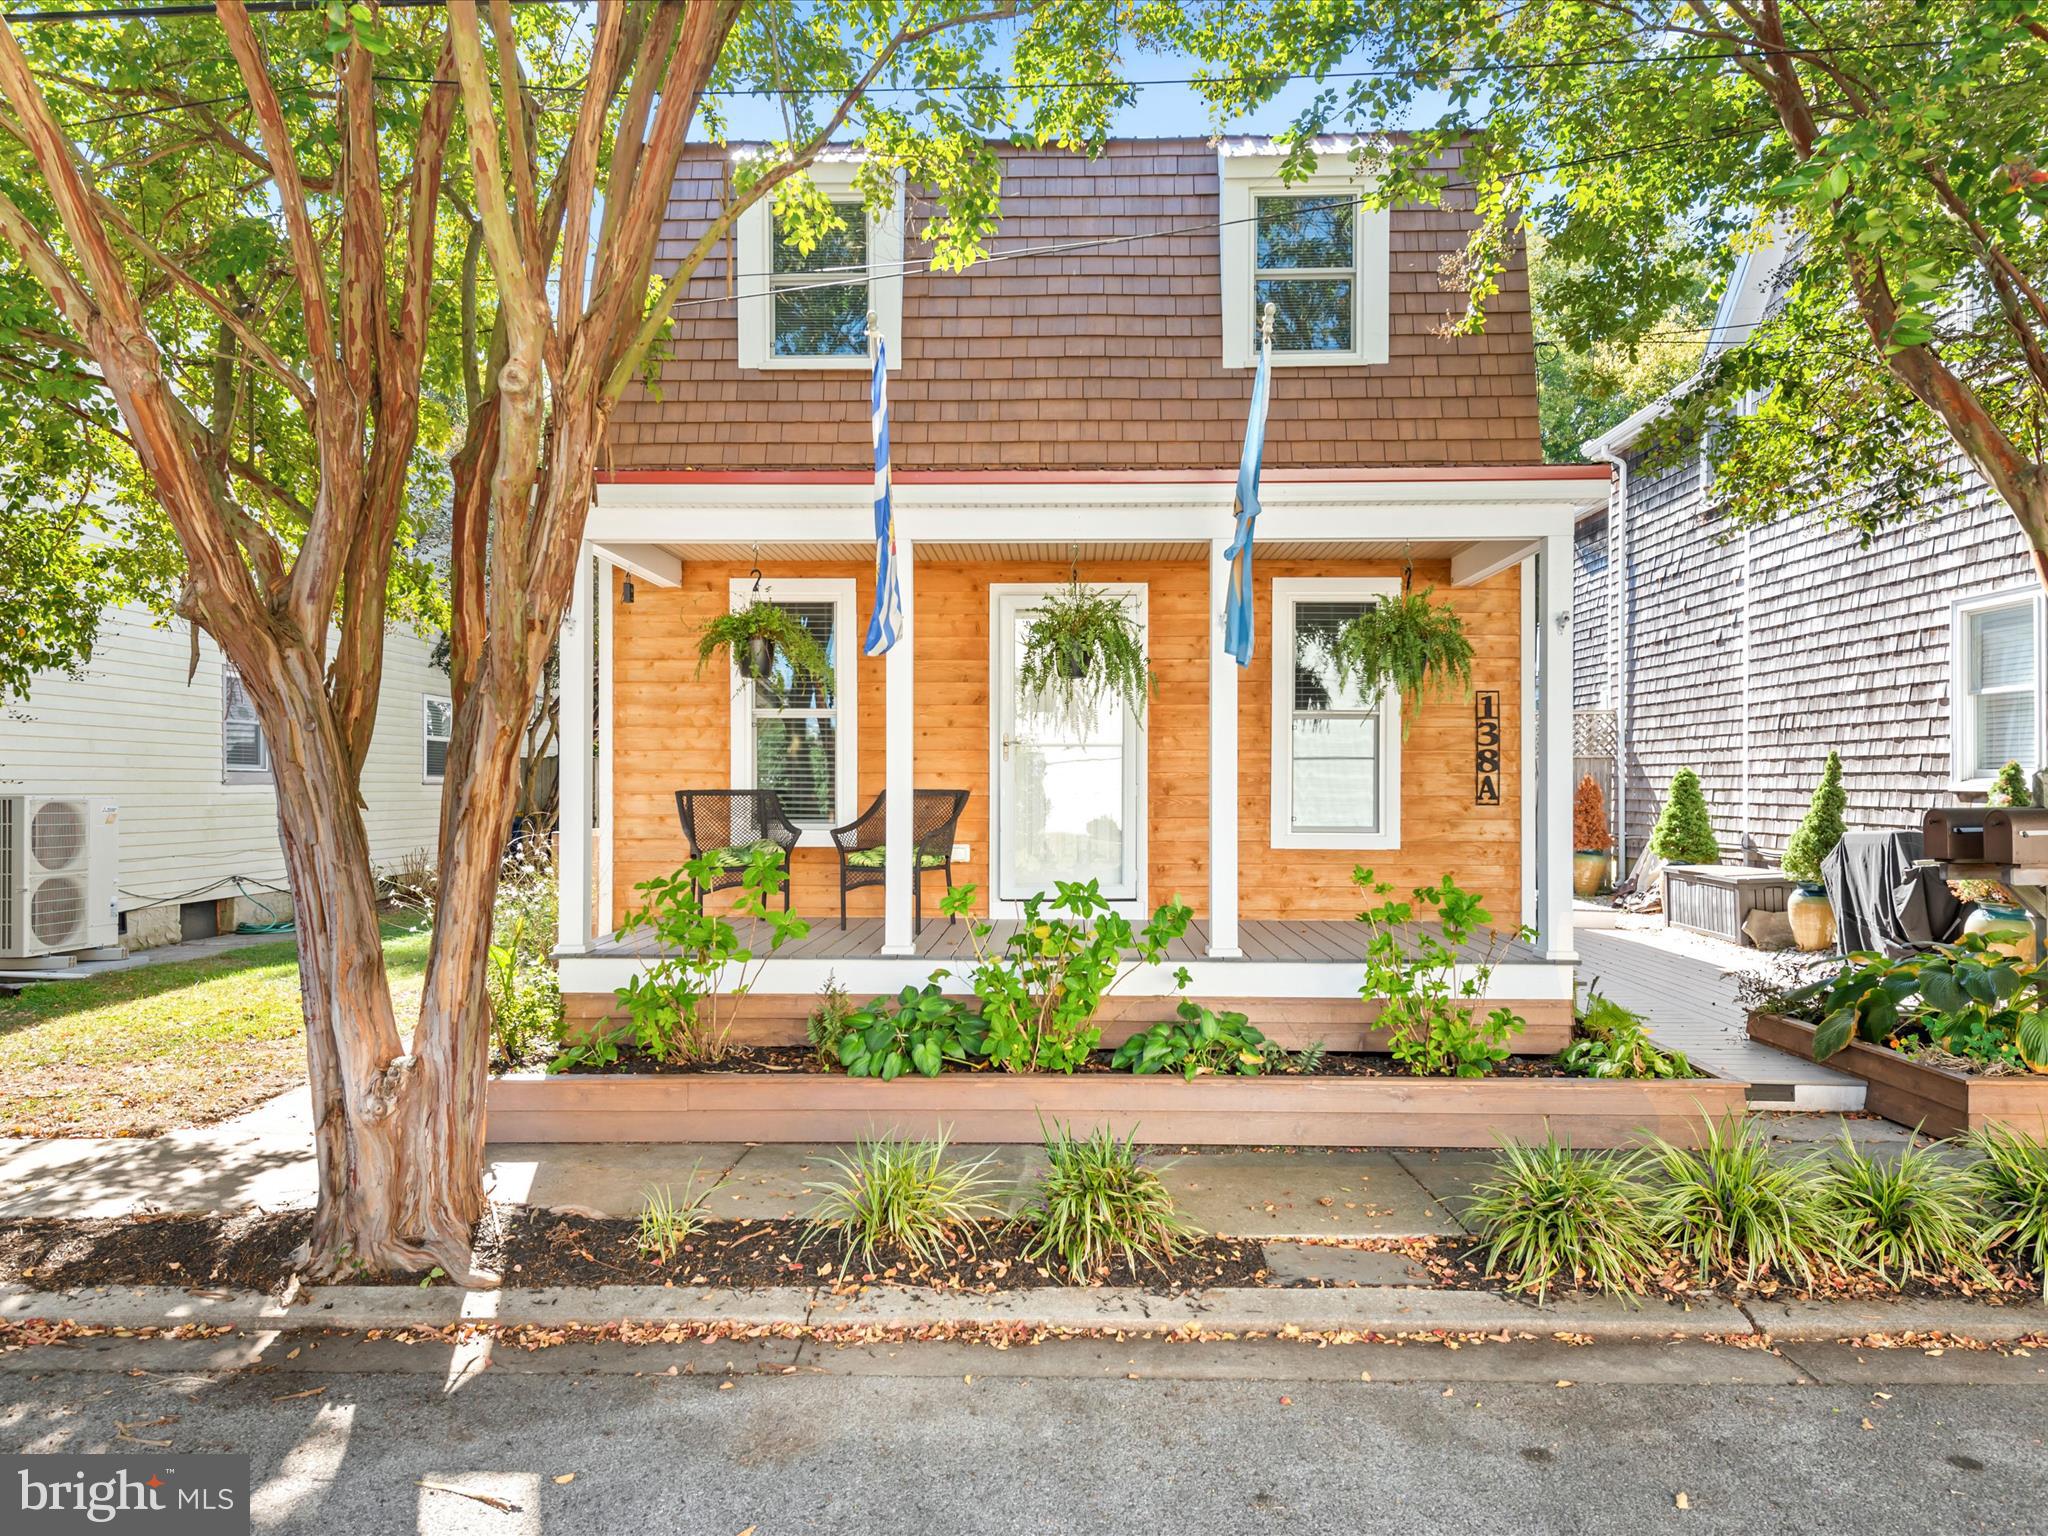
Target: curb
x,y
1365,1309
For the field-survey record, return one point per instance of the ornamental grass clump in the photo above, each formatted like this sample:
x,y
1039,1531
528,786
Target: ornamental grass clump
x,y
1552,1216
667,1223
1914,1217
896,1191
1729,1208
1097,1201
1685,833
1815,837
2010,1181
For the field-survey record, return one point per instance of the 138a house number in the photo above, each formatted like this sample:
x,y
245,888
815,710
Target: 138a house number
x,y
1486,747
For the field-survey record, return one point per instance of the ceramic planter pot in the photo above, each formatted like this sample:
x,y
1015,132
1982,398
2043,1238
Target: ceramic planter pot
x,y
1812,917
759,658
2006,929
1589,872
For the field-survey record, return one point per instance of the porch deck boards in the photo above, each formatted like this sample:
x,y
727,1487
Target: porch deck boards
x,y
1261,939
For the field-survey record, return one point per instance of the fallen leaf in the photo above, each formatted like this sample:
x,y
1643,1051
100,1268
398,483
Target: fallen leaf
x,y
1564,1383
749,1531
1868,1425
502,1506
315,1392
1365,1375
1680,1501
566,1477
725,1386
1286,1402
1450,1391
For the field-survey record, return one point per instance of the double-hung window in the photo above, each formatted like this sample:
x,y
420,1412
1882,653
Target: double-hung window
x,y
793,733
809,308
244,754
437,725
1997,686
1312,248
1336,748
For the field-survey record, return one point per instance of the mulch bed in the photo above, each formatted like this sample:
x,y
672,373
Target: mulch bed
x,y
803,1061
538,1248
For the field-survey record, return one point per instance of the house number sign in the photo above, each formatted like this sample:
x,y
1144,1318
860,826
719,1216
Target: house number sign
x,y
1486,747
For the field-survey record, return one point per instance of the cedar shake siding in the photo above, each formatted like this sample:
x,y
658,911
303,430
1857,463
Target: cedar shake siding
x,y
1849,647
1097,359
1592,614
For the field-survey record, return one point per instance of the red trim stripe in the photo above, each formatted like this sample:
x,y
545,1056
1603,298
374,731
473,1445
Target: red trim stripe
x,y
1598,473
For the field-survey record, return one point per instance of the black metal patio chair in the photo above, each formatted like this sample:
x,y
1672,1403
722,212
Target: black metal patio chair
x,y
863,848
728,825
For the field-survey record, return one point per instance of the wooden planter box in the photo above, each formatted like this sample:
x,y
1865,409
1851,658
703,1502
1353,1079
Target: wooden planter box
x,y
1005,1107
1717,899
1938,1101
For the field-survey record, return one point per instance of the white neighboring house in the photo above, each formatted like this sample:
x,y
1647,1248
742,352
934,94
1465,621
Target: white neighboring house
x,y
190,770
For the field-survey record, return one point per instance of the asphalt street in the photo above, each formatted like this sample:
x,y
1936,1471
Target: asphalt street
x,y
1083,1436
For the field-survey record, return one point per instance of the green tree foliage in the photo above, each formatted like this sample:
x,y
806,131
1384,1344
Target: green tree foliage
x,y
2010,787
1684,833
1815,837
1893,147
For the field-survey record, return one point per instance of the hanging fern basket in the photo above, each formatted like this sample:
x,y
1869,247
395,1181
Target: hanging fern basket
x,y
1082,649
1412,644
758,658
756,635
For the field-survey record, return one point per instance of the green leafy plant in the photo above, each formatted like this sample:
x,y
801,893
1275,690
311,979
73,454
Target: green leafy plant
x,y
1040,992
2009,789
1430,1010
666,1223
1816,836
1966,999
1410,643
1730,1208
902,1192
1098,1201
681,1006
2010,1181
1609,1040
1911,1217
920,1030
1083,647
1552,1216
519,975
731,631
1684,833
1203,1043
828,1020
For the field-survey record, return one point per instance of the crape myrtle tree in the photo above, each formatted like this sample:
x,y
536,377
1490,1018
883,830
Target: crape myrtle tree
x,y
287,260
1896,148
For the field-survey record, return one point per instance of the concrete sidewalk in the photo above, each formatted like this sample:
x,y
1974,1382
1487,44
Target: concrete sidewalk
x,y
264,1159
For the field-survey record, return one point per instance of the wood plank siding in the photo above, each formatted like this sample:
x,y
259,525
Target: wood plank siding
x,y
1848,647
672,731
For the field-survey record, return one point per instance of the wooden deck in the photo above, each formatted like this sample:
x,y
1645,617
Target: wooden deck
x,y
1261,940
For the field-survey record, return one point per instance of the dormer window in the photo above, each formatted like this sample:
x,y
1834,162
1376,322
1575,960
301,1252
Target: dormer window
x,y
1311,250
809,309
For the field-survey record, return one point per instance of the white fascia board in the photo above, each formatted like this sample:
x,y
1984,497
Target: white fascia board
x,y
881,976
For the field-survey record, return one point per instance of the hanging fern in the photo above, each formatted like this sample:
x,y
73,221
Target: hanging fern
x,y
1408,643
1082,648
731,631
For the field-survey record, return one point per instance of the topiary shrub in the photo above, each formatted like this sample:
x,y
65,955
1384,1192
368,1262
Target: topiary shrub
x,y
1816,836
1684,832
2010,787
1589,818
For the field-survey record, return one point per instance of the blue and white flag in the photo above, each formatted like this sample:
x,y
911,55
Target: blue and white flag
x,y
887,621
1237,609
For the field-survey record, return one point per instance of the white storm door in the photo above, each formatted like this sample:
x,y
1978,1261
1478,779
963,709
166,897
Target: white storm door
x,y
1065,809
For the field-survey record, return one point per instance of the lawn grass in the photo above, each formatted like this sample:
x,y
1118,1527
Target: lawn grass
x,y
133,1053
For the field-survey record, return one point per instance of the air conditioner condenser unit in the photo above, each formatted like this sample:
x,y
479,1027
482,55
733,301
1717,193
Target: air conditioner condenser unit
x,y
59,866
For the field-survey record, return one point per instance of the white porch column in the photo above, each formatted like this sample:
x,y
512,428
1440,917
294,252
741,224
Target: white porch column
x,y
607,702
572,835
1223,780
1554,772
899,932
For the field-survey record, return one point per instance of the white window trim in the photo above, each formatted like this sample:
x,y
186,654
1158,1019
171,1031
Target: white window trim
x,y
427,738
841,594
1287,592
233,775
1245,179
1962,720
754,248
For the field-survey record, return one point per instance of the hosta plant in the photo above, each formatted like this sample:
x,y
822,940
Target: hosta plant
x,y
1965,999
1082,648
919,1030
1203,1042
1609,1040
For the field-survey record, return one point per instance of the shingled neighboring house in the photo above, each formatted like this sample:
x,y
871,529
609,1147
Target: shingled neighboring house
x,y
1745,654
